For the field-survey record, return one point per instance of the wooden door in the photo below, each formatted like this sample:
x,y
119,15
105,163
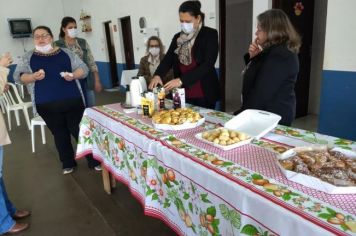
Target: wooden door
x,y
111,53
128,44
301,14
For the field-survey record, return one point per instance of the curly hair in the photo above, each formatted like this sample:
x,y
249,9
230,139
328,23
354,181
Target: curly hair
x,y
161,47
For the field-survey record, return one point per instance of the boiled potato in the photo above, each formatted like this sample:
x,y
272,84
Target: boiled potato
x,y
223,136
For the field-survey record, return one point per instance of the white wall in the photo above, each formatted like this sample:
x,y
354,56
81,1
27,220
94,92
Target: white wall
x,y
259,6
162,14
340,39
41,12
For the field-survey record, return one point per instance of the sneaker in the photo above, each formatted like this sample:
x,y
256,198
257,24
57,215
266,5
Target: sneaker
x,y
68,170
98,168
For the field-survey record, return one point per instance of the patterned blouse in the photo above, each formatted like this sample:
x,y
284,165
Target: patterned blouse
x,y
78,50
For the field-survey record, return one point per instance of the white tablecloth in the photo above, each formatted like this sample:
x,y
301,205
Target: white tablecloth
x,y
198,190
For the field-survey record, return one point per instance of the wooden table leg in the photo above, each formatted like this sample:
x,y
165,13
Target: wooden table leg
x,y
112,181
106,180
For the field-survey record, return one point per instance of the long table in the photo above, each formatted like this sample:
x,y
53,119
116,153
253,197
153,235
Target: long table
x,y
198,189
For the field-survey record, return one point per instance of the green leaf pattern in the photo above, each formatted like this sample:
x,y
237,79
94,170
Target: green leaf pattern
x,y
192,204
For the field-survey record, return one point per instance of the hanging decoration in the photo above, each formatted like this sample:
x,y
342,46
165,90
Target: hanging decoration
x,y
298,8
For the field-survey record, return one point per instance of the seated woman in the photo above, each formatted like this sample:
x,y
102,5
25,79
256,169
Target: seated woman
x,y
57,96
150,62
272,67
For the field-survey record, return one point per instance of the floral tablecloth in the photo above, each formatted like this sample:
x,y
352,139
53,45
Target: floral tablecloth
x,y
198,189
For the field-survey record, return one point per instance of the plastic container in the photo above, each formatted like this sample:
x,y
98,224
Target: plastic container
x,y
253,123
313,182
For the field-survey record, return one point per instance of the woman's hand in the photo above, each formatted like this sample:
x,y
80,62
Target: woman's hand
x,y
39,75
155,81
6,60
97,85
174,83
6,88
254,49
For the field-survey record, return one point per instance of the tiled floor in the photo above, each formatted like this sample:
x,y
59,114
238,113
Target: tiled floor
x,y
309,122
75,204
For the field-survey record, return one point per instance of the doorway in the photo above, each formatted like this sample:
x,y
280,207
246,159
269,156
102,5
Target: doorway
x,y
235,37
301,14
128,44
111,53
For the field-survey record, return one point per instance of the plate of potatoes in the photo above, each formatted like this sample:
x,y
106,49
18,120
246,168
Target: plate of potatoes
x,y
178,119
224,138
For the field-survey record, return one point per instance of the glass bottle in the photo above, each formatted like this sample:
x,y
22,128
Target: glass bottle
x,y
176,100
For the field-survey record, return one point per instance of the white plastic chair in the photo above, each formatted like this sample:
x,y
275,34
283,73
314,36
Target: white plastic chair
x,y
37,121
20,88
15,103
3,104
126,76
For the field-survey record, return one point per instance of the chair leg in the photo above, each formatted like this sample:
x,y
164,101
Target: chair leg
x,y
33,137
27,118
17,117
9,118
2,106
22,91
43,134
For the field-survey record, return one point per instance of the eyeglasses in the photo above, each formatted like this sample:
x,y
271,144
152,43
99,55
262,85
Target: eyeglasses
x,y
43,36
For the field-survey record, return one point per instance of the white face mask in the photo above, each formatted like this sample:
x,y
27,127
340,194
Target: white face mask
x,y
154,51
72,32
187,27
44,49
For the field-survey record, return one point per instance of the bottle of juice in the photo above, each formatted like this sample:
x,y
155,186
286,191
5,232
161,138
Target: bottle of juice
x,y
176,100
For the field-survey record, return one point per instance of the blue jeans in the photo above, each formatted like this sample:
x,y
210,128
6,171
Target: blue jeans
x,y
6,208
89,95
89,98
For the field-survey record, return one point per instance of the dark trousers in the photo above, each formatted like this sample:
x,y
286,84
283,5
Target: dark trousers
x,y
201,102
62,119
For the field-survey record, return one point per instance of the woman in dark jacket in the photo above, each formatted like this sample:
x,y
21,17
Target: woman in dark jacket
x,y
192,54
272,67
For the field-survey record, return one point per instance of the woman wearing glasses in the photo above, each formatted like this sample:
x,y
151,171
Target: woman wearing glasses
x,y
53,75
150,62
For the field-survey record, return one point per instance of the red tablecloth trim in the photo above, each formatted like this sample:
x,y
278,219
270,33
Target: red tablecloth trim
x,y
250,187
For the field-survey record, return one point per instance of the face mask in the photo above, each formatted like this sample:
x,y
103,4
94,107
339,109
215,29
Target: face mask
x,y
44,49
72,32
154,51
187,27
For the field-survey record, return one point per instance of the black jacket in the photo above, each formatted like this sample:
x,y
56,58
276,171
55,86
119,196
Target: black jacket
x,y
269,80
205,51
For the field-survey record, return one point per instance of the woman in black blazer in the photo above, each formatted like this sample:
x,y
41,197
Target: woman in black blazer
x,y
272,67
192,54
